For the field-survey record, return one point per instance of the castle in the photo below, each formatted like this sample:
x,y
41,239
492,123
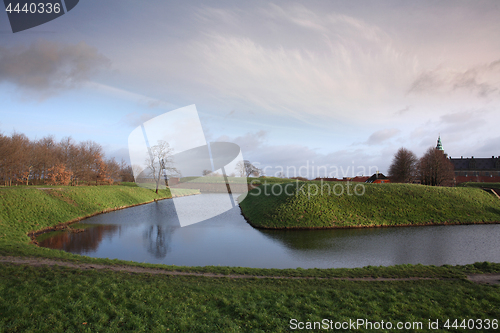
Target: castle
x,y
472,169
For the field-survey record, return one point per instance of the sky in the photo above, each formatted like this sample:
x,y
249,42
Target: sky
x,y
327,88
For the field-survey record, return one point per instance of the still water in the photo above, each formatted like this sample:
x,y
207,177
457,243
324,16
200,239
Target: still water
x,y
152,233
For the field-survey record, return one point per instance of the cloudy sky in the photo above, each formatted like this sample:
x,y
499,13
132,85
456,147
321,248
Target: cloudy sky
x,y
332,84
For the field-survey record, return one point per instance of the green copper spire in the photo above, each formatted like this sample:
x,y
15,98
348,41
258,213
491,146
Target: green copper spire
x,y
439,145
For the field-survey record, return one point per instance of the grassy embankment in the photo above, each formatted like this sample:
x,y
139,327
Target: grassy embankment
x,y
380,205
25,209
480,185
60,299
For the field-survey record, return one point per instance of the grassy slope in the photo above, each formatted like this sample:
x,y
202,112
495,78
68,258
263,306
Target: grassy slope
x,y
382,204
479,185
61,299
24,209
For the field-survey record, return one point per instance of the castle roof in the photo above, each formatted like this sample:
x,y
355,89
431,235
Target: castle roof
x,y
439,144
492,163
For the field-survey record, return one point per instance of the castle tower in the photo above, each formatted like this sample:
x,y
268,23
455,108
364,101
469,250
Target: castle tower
x,y
439,144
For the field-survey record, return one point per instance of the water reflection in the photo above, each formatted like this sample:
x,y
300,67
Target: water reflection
x,y
158,239
152,233
82,242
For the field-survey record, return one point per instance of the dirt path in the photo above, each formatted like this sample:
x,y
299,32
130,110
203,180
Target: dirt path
x,y
491,278
38,262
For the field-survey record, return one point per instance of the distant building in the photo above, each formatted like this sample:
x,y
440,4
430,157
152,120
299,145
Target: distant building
x,y
378,178
476,169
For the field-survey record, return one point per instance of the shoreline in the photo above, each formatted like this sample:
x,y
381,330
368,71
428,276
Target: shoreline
x,y
431,224
65,225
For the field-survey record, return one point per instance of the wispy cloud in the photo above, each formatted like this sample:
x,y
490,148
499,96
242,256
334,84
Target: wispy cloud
x,y
320,65
140,99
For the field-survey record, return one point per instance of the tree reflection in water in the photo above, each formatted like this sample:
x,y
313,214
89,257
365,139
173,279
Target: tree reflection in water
x,y
158,239
81,242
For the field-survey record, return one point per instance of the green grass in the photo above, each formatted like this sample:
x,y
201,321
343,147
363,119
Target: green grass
x,y
480,185
380,205
57,299
30,208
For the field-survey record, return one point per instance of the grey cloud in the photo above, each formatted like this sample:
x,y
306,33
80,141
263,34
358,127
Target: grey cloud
x,y
427,81
403,110
382,135
462,124
47,67
480,80
459,117
248,142
490,148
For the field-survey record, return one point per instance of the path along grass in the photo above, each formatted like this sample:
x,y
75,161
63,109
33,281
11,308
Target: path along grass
x,y
341,204
62,299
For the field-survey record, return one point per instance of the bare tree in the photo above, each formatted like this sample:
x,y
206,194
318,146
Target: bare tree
x,y
403,168
20,164
113,169
246,169
44,156
435,169
67,154
126,172
160,162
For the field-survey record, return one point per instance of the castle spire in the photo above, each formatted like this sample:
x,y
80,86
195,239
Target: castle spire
x,y
439,144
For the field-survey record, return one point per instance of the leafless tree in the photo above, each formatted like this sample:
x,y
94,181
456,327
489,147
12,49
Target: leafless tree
x,y
7,159
403,168
435,169
20,163
113,170
160,162
126,172
44,156
246,169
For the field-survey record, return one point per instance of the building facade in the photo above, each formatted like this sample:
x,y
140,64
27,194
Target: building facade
x,y
484,170
476,169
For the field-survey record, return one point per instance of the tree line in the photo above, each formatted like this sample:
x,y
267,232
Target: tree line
x,y
45,161
433,168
